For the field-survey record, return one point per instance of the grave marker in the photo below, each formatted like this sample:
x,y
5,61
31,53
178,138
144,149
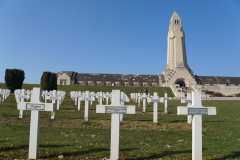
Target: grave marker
x,y
87,98
115,109
189,103
144,98
196,110
100,97
155,101
35,105
166,99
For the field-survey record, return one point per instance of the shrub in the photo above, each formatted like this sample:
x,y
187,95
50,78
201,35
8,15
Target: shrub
x,y
14,79
217,94
176,86
53,81
203,90
238,95
49,81
179,90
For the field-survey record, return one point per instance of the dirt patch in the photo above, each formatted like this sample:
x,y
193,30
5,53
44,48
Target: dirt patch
x,y
142,125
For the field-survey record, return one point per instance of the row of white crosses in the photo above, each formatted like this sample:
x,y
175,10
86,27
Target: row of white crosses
x,y
55,96
196,110
116,108
101,95
137,97
4,93
35,105
20,96
78,95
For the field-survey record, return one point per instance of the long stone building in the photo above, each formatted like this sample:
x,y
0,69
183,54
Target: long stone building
x,y
177,70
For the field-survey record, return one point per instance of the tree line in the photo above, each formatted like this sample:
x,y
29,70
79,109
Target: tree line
x,y
14,80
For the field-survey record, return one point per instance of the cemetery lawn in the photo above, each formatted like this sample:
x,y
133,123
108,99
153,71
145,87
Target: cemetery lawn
x,y
140,138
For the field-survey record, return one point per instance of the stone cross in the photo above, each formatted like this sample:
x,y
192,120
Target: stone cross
x,y
136,97
87,98
92,94
100,97
124,98
144,98
20,96
107,95
79,96
196,110
115,109
165,99
5,93
155,101
53,96
189,103
35,105
139,99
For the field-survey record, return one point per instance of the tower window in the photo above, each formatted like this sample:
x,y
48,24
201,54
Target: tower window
x,y
176,21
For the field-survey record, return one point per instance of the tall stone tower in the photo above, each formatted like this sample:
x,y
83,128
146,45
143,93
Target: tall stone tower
x,y
177,70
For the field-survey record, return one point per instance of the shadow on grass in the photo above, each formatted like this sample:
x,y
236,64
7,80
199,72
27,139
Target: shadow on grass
x,y
164,153
68,154
27,146
234,155
52,145
179,121
144,120
4,149
213,121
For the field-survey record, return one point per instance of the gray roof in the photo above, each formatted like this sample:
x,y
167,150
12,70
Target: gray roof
x,y
218,80
117,77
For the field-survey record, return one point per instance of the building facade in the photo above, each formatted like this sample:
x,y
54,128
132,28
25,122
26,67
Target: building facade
x,y
177,70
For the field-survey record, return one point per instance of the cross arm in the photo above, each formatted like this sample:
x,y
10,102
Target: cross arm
x,y
196,111
115,109
36,106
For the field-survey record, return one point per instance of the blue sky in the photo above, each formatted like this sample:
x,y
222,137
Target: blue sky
x,y
116,36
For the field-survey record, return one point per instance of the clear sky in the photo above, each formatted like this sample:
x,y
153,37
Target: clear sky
x,y
116,36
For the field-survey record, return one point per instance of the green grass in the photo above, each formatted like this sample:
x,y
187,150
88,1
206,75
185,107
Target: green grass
x,y
140,138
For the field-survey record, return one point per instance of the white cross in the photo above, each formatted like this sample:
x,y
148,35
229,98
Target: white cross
x,y
138,96
115,109
87,98
35,105
20,95
189,103
53,96
79,96
165,99
155,101
197,110
107,95
144,97
100,97
124,98
92,94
